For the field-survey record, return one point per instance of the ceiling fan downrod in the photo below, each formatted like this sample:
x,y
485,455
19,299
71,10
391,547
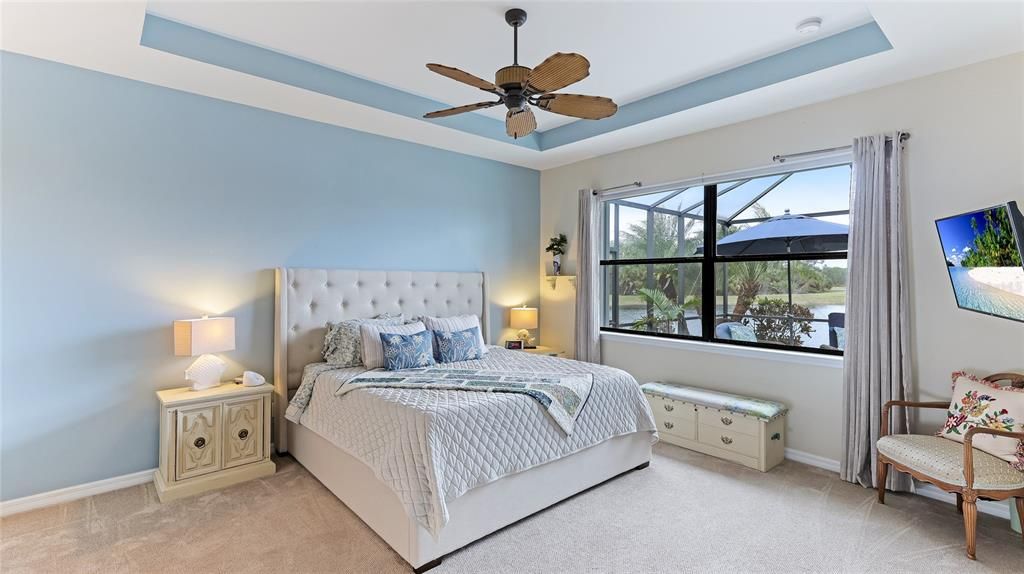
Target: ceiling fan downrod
x,y
515,17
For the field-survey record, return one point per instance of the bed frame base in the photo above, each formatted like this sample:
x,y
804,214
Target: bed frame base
x,y
428,566
475,514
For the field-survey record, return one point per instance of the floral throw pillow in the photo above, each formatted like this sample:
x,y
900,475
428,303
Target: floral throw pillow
x,y
454,346
979,403
342,343
407,351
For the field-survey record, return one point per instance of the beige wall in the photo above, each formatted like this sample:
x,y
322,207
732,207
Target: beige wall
x,y
967,151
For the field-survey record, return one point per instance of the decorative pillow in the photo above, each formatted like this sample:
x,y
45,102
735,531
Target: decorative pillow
x,y
373,349
980,403
342,343
742,333
407,351
458,323
840,337
455,346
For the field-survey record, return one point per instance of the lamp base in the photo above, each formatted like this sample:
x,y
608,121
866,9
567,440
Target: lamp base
x,y
205,372
524,336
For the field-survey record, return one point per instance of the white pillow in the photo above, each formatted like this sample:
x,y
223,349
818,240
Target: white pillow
x,y
457,323
373,349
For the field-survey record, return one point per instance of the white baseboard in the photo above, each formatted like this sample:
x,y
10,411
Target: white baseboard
x,y
1000,509
812,460
62,495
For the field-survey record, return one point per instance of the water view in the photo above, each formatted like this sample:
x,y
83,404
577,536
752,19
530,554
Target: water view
x,y
976,289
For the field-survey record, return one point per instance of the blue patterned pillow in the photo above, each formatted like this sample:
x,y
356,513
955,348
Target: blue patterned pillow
x,y
840,337
455,346
407,351
742,333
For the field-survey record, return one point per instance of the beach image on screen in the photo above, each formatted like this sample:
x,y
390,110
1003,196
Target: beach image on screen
x,y
984,262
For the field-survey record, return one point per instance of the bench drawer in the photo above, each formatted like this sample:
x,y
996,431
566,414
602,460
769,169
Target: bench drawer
x,y
729,422
739,443
671,408
677,426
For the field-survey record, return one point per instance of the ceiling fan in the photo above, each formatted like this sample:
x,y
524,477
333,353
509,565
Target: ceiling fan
x,y
519,87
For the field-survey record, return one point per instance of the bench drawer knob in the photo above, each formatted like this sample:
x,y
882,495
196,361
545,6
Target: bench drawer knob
x,y
669,408
726,440
669,424
726,421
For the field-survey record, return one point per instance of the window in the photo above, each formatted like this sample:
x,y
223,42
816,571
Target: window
x,y
773,276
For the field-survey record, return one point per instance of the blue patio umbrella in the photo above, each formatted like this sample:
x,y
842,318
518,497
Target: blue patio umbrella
x,y
786,234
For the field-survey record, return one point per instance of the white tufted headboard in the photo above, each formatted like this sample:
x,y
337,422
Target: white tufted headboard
x,y
307,299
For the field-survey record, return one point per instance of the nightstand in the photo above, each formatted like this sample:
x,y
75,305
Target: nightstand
x,y
212,438
549,351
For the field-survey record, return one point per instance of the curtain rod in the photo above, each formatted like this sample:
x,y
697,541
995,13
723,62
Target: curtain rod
x,y
781,158
633,184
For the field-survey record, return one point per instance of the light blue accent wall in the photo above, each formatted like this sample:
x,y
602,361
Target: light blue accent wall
x,y
190,42
127,205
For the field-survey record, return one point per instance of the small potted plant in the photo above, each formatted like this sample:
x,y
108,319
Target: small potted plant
x,y
556,247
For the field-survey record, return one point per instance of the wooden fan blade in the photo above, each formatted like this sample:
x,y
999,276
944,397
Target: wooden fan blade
x,y
557,72
521,123
461,109
586,107
464,77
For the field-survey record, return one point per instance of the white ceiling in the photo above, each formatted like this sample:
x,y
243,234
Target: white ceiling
x,y
390,42
635,50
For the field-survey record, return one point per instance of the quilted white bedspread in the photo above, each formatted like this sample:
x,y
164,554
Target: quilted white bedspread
x,y
432,446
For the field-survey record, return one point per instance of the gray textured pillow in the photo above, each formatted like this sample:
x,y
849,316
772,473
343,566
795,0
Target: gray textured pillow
x,y
343,345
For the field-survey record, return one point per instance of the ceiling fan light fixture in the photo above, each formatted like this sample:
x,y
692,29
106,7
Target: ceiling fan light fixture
x,y
809,26
519,87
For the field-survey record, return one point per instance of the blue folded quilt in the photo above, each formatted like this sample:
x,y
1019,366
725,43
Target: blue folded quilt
x,y
562,396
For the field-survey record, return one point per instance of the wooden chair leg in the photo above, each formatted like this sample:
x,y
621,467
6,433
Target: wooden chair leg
x,y
883,472
970,525
960,503
1020,515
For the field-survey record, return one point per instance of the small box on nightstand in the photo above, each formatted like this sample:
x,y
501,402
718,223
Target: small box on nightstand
x,y
212,438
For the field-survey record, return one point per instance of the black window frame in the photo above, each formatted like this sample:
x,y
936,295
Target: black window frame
x,y
709,259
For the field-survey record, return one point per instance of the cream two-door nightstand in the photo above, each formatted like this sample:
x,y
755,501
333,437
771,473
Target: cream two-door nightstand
x,y
212,438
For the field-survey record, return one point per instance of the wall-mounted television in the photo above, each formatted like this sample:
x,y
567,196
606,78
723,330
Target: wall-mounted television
x,y
984,253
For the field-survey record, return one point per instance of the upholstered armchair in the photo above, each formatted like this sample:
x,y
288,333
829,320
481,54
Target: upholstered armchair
x,y
970,473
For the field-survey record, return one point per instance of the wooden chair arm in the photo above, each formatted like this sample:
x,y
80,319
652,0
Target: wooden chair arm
x,y
915,404
969,449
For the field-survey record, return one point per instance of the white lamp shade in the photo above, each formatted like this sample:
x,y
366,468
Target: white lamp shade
x,y
194,337
523,317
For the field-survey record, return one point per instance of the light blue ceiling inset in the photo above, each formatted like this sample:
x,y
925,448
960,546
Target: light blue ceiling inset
x,y
191,42
196,44
830,51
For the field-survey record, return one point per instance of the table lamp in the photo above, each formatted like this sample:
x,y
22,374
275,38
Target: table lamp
x,y
202,337
524,318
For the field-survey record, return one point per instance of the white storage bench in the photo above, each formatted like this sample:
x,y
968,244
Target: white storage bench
x,y
749,431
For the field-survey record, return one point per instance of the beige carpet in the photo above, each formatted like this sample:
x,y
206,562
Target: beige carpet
x,y
687,512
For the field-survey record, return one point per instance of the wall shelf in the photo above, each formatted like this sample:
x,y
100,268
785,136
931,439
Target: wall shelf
x,y
553,280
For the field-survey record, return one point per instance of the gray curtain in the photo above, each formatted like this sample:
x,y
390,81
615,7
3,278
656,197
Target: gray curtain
x,y
588,278
877,364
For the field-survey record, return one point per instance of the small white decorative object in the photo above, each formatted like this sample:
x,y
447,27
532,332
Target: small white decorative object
x,y
205,372
252,379
201,337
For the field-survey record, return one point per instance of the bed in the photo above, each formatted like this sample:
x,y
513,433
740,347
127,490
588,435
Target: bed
x,y
430,471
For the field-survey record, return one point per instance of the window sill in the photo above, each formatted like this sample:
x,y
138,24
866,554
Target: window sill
x,y
777,355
